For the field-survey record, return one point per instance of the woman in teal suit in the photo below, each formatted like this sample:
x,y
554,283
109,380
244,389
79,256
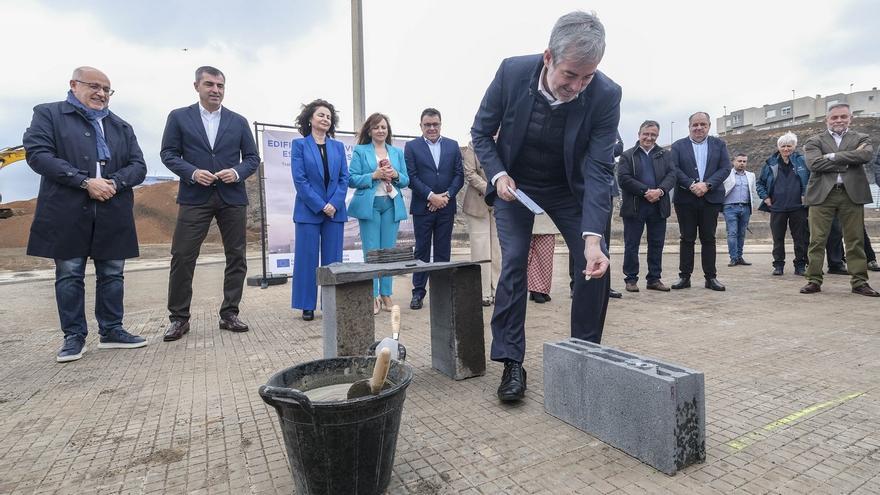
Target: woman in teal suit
x,y
320,178
378,172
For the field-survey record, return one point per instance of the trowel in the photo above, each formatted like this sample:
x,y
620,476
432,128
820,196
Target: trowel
x,y
374,384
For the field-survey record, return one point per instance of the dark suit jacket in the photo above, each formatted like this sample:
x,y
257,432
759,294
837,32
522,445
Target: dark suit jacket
x,y
717,169
634,190
185,149
849,160
425,177
307,169
590,133
61,146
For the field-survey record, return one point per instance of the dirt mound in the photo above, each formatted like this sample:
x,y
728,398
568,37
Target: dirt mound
x,y
155,213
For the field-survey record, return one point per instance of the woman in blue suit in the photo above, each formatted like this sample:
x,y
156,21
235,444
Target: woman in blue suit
x,y
320,177
378,172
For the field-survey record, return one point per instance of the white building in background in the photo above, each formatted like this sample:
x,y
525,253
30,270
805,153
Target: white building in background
x,y
798,111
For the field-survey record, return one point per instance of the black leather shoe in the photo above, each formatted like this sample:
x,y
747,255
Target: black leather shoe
x,y
873,266
733,263
308,315
838,270
538,297
614,294
682,283
800,271
176,329
777,271
811,288
743,262
233,324
866,290
714,284
513,382
416,303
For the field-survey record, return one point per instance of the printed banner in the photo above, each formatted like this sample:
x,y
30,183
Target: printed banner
x,y
280,193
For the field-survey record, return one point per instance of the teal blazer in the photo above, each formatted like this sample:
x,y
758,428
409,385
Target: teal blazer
x,y
363,164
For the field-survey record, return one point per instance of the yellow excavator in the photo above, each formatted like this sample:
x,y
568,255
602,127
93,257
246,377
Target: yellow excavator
x,y
8,156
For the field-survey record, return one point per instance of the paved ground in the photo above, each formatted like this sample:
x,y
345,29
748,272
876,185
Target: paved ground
x,y
791,395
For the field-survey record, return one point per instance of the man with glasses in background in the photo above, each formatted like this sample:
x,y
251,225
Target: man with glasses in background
x,y
436,175
89,161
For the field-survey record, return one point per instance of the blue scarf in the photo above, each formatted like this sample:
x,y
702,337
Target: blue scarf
x,y
94,117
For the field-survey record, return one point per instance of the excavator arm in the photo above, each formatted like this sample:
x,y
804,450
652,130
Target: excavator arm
x,y
8,156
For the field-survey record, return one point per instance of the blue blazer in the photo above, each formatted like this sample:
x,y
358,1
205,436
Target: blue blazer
x,y
307,169
425,177
61,146
590,133
717,169
185,149
363,164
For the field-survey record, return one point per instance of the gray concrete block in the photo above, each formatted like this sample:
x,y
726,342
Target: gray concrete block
x,y
458,348
347,312
652,410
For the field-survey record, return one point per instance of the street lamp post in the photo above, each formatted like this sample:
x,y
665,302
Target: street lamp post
x,y
671,132
792,107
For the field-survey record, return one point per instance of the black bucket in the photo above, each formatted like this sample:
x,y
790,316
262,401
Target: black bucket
x,y
340,446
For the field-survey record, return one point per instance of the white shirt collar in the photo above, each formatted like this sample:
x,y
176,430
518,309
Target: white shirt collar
x,y
552,100
648,152
204,111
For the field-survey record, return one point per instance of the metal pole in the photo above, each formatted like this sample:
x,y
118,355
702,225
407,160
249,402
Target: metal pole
x,y
671,132
792,107
263,282
357,63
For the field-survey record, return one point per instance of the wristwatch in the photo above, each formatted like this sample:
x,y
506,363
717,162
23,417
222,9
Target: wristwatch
x,y
84,184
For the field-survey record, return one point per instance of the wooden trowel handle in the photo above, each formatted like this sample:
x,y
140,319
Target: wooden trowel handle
x,y
395,321
380,370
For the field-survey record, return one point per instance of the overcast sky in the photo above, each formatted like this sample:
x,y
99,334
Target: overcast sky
x,y
671,58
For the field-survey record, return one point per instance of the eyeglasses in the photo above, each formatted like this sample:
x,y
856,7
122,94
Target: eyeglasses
x,y
97,87
431,124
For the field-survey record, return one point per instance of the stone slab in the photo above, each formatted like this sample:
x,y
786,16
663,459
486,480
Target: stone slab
x,y
342,273
348,324
458,348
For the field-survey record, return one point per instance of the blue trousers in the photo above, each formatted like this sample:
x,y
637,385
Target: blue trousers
x,y
433,229
70,295
736,216
380,232
313,240
649,215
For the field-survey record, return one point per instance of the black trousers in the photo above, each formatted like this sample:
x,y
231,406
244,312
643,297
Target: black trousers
x,y
797,224
431,230
193,222
834,246
701,217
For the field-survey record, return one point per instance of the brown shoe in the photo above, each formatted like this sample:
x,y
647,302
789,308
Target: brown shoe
x,y
658,285
812,288
632,287
865,290
176,330
232,323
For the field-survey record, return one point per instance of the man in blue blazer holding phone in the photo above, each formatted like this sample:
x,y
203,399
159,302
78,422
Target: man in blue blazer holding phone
x,y
213,151
433,164
702,163
556,117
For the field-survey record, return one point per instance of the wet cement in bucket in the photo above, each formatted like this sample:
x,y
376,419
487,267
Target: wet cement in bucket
x,y
330,393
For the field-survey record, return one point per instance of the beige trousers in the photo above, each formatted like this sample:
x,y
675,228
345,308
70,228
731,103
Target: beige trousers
x,y
484,246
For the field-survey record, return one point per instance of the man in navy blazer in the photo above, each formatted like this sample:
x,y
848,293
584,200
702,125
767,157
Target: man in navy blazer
x,y
89,161
702,163
213,151
433,164
556,118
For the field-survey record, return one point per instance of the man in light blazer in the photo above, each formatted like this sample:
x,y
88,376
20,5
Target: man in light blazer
x,y
482,232
702,165
435,177
556,118
740,197
213,151
838,186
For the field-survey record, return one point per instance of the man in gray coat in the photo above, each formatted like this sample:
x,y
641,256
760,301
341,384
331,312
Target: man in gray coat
x,y
89,161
